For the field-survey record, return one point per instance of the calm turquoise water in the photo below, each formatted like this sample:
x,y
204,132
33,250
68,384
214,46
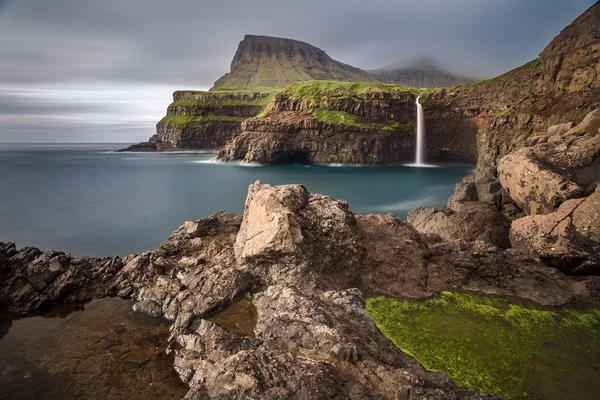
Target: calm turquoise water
x,y
89,200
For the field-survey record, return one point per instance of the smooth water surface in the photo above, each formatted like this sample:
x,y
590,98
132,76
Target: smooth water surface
x,y
87,199
103,350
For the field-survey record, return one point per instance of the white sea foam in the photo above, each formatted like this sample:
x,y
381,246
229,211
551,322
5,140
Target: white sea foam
x,y
421,165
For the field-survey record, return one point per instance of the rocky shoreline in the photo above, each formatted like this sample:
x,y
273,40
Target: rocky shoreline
x,y
310,263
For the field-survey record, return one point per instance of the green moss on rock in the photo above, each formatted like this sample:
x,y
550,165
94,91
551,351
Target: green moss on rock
x,y
185,120
335,117
509,348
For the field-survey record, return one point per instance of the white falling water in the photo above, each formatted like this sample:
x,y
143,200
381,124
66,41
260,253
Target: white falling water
x,y
420,154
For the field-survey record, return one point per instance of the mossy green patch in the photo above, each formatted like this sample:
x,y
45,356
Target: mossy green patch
x,y
512,349
222,102
186,120
335,117
397,126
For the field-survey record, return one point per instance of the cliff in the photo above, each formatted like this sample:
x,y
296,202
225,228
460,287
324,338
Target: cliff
x,y
336,122
422,73
264,61
561,86
203,120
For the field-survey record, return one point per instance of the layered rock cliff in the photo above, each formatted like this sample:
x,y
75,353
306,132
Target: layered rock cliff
x,y
330,122
421,73
203,120
272,62
562,86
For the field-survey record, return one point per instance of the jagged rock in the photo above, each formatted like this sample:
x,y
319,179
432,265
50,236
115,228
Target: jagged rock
x,y
541,177
590,124
479,187
470,221
560,129
567,239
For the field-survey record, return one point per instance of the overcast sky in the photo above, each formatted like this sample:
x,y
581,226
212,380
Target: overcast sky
x,y
104,70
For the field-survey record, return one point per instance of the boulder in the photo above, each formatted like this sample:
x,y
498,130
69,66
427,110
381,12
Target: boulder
x,y
559,129
271,227
535,188
567,239
541,177
590,124
471,220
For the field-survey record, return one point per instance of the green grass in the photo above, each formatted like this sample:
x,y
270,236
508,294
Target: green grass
x,y
512,349
335,117
320,93
393,126
530,65
222,102
185,120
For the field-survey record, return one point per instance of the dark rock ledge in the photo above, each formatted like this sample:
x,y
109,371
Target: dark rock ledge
x,y
315,261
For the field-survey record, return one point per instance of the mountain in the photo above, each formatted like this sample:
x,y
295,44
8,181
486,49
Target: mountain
x,y
420,73
264,61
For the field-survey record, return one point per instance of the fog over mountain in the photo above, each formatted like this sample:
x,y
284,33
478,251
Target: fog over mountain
x,y
75,70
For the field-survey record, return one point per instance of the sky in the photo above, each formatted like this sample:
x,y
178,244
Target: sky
x,y
104,71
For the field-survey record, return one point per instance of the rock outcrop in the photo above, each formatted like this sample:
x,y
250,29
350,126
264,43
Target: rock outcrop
x,y
560,167
272,62
309,262
469,221
330,122
567,239
420,73
203,120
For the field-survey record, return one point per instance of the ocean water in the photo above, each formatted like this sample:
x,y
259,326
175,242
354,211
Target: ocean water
x,y
86,199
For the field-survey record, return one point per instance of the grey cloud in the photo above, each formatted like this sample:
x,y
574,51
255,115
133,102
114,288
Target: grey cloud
x,y
190,43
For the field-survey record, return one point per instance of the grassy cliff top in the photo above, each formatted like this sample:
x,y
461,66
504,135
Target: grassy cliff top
x,y
316,91
221,102
533,64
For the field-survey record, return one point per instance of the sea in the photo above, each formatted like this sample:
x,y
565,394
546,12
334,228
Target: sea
x,y
89,200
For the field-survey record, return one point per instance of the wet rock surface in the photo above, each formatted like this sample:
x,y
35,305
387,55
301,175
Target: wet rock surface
x,y
98,350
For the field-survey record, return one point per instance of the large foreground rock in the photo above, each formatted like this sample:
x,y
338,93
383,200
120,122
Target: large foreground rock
x,y
567,239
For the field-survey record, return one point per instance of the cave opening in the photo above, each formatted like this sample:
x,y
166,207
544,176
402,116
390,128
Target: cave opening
x,y
290,157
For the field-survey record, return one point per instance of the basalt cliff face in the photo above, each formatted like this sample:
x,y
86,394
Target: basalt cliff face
x,y
514,109
306,262
330,122
203,120
272,62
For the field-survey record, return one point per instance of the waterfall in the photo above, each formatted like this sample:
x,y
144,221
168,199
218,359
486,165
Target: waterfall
x,y
420,153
